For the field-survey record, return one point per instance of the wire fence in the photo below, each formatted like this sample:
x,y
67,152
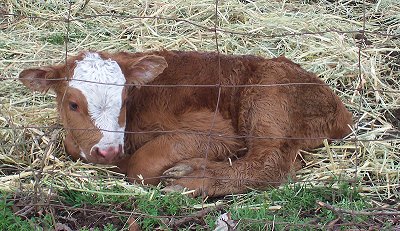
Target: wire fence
x,y
51,134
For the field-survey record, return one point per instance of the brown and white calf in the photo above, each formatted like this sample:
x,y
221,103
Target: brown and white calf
x,y
268,109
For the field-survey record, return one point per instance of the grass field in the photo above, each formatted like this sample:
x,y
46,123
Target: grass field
x,y
353,45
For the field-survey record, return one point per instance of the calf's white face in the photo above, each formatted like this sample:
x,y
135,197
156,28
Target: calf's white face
x,y
102,84
91,99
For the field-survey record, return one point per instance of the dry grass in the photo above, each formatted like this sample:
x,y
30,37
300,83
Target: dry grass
x,y
30,35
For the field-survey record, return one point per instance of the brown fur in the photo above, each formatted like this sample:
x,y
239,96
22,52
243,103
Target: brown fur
x,y
272,123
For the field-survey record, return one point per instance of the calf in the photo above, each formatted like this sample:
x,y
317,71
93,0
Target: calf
x,y
258,113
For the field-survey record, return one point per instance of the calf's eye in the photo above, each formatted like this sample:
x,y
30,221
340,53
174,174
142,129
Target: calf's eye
x,y
73,106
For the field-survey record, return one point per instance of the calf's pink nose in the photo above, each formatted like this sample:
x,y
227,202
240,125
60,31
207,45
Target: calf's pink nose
x,y
108,153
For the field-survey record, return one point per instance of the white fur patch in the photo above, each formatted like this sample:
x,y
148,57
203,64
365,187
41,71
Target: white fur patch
x,y
104,99
83,155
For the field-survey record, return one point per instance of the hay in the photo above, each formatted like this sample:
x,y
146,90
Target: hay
x,y
31,34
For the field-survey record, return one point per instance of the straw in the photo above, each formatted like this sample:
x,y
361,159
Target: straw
x,y
30,35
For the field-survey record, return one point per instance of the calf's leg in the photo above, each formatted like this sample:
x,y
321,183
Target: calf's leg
x,y
276,132
163,152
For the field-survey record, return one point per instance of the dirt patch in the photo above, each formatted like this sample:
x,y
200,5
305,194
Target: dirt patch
x,y
66,217
394,117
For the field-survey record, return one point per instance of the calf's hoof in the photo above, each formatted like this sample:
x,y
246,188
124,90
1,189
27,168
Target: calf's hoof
x,y
192,177
176,172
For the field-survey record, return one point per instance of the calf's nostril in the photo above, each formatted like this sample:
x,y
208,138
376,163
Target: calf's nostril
x,y
104,153
109,152
99,152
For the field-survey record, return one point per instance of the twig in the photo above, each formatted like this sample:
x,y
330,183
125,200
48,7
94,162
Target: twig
x,y
354,212
198,215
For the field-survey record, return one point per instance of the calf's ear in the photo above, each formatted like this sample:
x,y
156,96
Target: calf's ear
x,y
145,69
40,79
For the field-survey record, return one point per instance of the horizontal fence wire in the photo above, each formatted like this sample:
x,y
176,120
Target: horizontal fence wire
x,y
116,177
387,137
253,35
